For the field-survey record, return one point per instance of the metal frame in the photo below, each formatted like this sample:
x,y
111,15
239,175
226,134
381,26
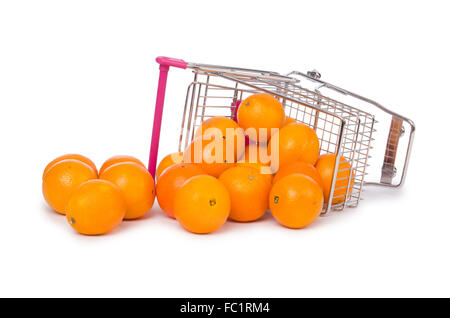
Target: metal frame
x,y
342,129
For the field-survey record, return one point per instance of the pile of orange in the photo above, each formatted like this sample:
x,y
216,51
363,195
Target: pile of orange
x,y
96,202
216,178
280,169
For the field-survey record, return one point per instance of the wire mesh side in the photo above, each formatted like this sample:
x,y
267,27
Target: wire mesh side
x,y
394,133
359,123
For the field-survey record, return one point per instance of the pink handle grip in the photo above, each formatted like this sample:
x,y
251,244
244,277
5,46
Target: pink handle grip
x,y
164,65
169,61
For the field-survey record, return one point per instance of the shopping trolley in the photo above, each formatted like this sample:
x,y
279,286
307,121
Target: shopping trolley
x,y
343,121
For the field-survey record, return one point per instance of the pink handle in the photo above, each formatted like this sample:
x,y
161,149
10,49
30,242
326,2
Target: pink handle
x,y
164,65
169,61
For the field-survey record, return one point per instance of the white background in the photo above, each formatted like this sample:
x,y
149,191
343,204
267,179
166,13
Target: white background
x,y
80,76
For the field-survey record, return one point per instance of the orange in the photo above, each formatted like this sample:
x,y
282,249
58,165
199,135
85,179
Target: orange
x,y
116,159
225,128
295,142
170,181
289,120
296,201
168,161
202,204
96,207
260,111
325,167
61,179
221,123
71,156
136,184
248,191
298,167
203,152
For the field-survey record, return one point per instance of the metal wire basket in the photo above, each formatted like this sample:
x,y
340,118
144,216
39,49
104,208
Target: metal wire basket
x,y
344,122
